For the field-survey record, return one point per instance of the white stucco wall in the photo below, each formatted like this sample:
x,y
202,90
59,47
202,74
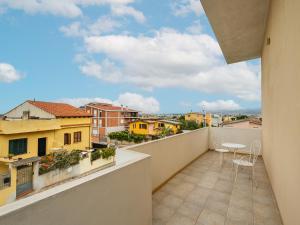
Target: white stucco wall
x,y
119,195
236,135
171,154
34,111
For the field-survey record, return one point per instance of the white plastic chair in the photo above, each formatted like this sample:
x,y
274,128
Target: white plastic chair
x,y
217,144
249,160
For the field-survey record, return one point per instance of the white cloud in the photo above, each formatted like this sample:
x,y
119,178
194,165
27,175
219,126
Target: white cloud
x,y
170,59
105,71
66,8
139,102
184,7
131,100
219,105
83,101
195,28
8,73
102,25
123,10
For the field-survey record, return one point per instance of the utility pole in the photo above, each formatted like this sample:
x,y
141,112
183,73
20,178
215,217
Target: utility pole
x,y
204,116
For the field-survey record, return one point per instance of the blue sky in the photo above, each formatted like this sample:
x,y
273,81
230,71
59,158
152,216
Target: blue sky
x,y
156,56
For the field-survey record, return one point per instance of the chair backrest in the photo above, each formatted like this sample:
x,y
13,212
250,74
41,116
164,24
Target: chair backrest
x,y
255,151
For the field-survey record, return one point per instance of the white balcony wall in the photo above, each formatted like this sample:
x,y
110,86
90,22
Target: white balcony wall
x,y
171,154
236,135
119,195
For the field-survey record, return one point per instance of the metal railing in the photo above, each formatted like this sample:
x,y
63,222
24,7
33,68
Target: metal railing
x,y
4,181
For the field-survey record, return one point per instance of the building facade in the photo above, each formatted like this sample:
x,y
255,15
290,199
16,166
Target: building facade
x,y
107,118
153,127
199,118
34,129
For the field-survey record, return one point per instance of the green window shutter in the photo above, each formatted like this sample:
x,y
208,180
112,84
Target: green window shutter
x,y
18,146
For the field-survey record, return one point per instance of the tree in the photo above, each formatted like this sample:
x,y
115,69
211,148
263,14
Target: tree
x,y
189,125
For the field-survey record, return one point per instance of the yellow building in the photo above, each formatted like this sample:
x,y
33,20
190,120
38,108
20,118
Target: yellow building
x,y
153,127
34,129
198,118
229,118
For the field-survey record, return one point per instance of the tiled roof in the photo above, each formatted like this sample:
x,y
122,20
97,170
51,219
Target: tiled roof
x,y
60,109
109,107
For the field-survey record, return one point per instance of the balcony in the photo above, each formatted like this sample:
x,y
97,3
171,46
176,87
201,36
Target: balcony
x,y
188,184
204,193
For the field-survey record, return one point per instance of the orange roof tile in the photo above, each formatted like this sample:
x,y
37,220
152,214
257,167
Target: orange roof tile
x,y
60,109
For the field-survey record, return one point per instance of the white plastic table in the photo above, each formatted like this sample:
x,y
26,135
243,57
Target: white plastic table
x,y
233,146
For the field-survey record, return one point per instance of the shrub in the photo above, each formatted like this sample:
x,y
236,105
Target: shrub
x,y
126,136
108,152
189,125
104,153
59,160
95,155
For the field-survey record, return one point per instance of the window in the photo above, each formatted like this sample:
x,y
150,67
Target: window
x,y
134,126
94,122
100,122
95,112
143,126
161,125
95,131
18,146
77,137
67,139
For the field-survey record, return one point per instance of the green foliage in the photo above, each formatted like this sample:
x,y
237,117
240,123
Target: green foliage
x,y
189,125
95,155
241,117
59,160
202,125
108,152
181,118
126,136
104,153
166,131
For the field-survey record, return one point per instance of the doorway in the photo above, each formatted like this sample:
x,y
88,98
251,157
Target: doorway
x,y
42,144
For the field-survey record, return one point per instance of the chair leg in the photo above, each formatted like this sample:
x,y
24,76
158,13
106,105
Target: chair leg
x,y
236,172
253,177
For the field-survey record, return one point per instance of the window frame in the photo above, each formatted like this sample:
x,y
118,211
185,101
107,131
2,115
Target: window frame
x,y
68,140
143,126
18,152
77,137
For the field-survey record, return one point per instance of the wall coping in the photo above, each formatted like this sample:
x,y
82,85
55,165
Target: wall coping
x,y
124,158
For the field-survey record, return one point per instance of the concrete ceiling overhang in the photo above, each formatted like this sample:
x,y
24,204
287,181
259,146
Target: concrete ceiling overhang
x,y
239,26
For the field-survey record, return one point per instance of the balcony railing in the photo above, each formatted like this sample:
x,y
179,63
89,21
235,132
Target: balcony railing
x,y
121,195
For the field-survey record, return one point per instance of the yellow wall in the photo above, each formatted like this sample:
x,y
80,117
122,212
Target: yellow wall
x,y
55,138
173,127
280,97
8,194
198,117
137,130
152,128
53,130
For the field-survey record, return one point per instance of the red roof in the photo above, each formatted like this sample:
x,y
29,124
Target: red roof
x,y
110,107
60,109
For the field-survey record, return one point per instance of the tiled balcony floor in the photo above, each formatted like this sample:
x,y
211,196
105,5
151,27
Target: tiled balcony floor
x,y
204,193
